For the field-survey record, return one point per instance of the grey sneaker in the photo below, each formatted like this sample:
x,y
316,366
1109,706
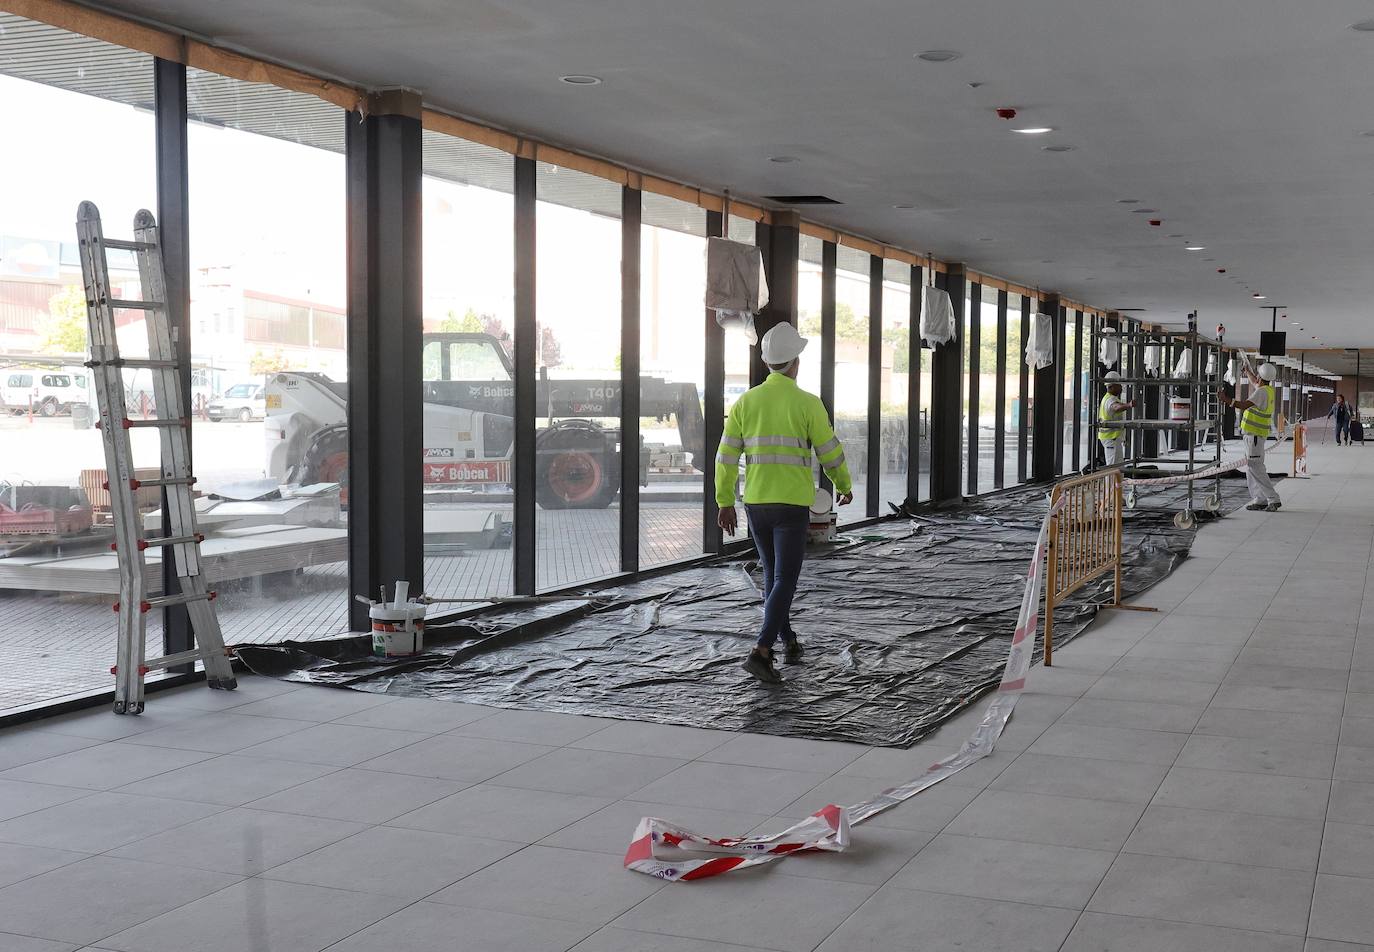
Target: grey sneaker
x,y
760,665
1273,507
1257,506
792,649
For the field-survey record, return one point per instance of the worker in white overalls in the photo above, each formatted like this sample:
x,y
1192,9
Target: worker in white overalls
x,y
1111,410
1255,423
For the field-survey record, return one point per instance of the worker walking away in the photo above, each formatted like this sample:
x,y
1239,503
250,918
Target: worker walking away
x,y
1112,410
776,426
1341,411
1255,423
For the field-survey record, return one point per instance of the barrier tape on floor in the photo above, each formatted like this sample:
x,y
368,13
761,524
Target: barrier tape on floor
x,y
829,828
1217,470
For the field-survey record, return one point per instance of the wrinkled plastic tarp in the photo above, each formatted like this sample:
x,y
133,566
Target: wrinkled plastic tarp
x,y
903,627
937,316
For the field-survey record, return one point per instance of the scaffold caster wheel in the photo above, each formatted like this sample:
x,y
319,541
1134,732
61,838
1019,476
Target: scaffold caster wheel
x,y
1184,519
1214,502
1130,500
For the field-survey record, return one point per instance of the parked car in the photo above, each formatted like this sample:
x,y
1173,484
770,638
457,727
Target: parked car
x,y
48,392
242,401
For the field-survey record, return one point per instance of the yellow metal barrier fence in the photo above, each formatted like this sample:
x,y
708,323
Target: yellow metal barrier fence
x,y
1084,543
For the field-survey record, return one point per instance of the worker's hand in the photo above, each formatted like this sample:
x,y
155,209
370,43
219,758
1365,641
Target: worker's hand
x,y
845,499
727,520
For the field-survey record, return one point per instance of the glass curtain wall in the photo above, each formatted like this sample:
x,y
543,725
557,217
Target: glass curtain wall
x,y
57,91
1012,404
466,362
851,371
1068,410
737,362
268,326
987,389
922,451
896,374
964,377
810,265
672,356
577,293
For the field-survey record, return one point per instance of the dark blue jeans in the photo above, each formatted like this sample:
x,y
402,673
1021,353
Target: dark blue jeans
x,y
779,533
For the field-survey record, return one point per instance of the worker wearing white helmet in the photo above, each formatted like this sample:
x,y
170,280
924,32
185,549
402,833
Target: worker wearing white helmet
x,y
776,426
1110,412
1256,420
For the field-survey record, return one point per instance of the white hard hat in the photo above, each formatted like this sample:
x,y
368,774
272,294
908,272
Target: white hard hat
x,y
1112,375
782,344
1268,371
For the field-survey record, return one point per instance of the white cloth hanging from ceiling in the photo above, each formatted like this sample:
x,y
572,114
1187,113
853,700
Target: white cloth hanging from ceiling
x,y
1154,359
1183,367
736,287
1109,350
1040,342
937,316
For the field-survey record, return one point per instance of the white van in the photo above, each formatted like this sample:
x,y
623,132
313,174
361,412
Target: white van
x,y
48,392
242,402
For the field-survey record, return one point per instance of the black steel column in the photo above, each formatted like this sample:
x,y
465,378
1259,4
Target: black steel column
x,y
781,244
913,389
1077,390
828,257
946,367
713,407
875,385
1060,353
1023,394
385,445
975,320
174,230
999,437
630,209
526,377
1045,413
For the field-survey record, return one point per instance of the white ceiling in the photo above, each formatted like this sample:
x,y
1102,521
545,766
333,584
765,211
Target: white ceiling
x,y
1239,120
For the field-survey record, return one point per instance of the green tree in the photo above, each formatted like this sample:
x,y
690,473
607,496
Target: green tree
x,y
64,330
469,323
262,365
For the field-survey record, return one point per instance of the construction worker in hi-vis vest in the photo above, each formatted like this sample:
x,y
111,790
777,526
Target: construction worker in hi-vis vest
x,y
1256,420
1112,410
777,426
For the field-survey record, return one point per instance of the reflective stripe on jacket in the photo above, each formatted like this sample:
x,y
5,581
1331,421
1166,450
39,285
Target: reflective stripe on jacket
x,y
1106,414
1257,422
775,427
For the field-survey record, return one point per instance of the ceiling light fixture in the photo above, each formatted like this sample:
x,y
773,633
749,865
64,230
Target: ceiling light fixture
x,y
1128,201
783,159
1034,130
1257,296
1368,133
1056,148
1364,26
1143,211
1196,248
903,208
939,56
1175,236
580,79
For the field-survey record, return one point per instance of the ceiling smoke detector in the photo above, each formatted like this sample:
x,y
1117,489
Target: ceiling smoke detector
x,y
939,56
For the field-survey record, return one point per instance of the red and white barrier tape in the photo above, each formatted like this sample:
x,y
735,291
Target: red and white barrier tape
x,y
829,828
1236,463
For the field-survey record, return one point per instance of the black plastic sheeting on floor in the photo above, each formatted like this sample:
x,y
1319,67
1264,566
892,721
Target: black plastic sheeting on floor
x,y
903,627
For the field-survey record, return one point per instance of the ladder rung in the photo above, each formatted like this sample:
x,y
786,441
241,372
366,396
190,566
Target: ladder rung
x,y
134,424
128,304
143,544
160,481
162,601
172,660
123,245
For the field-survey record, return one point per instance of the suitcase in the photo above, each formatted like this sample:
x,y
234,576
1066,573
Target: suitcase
x,y
1356,431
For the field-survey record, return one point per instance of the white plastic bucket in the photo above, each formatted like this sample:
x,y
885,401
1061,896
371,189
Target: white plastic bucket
x,y
397,631
822,522
1180,408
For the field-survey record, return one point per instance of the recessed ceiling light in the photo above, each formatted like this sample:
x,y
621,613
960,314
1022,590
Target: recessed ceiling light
x,y
1295,323
1364,26
1175,236
985,239
580,79
1258,296
1195,248
1034,130
783,159
903,207
1128,201
974,85
1143,211
1047,261
939,56
1056,148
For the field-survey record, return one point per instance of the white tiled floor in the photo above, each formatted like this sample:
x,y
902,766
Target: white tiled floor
x,y
1197,779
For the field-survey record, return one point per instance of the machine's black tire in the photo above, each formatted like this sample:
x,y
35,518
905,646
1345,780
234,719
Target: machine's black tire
x,y
48,407
575,471
245,415
326,461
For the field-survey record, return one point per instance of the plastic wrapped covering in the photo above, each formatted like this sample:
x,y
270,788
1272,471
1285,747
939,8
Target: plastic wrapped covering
x,y
937,316
904,626
1183,367
1040,342
1154,359
1109,350
736,288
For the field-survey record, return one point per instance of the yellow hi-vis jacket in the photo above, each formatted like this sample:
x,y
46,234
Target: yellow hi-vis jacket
x,y
776,425
1107,412
1256,422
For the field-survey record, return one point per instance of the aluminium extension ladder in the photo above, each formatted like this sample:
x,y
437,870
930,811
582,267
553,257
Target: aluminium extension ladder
x,y
173,426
